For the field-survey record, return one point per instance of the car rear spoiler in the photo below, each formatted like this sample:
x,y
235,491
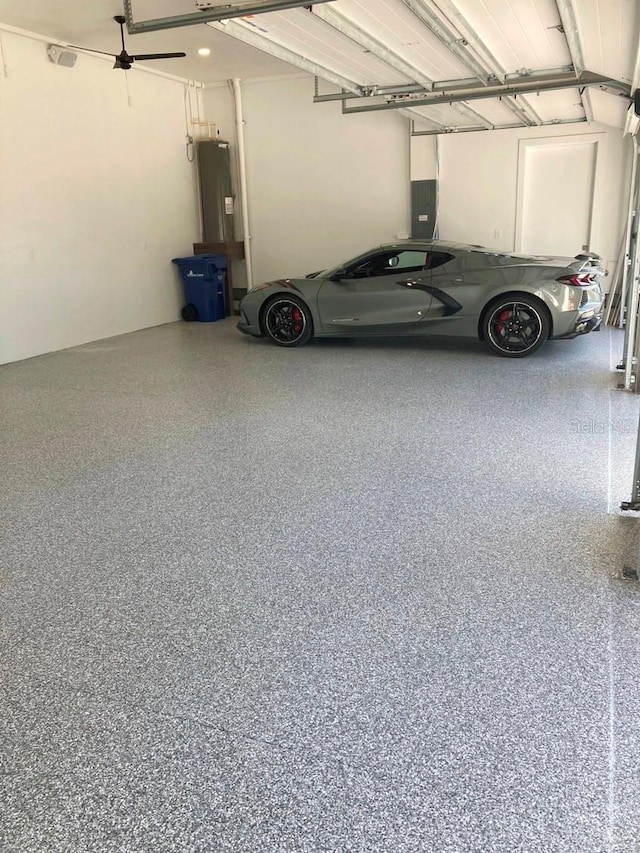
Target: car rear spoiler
x,y
589,262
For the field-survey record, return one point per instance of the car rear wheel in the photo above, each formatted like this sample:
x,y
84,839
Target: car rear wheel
x,y
516,326
287,321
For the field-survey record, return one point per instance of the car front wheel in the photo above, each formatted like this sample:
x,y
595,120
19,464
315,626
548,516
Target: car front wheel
x,y
516,326
287,321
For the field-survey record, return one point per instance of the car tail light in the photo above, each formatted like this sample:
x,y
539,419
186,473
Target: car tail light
x,y
576,280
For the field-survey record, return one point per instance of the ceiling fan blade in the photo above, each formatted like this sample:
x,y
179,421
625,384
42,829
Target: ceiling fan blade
x,y
90,50
158,55
123,60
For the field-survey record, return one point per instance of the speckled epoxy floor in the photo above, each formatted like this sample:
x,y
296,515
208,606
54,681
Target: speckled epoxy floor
x,y
353,597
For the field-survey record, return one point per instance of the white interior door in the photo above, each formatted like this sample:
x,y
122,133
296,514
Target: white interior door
x,y
555,197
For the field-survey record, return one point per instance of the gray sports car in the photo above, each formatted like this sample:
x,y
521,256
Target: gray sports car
x,y
418,287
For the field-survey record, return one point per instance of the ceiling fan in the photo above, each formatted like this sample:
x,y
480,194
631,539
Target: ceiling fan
x,y
123,59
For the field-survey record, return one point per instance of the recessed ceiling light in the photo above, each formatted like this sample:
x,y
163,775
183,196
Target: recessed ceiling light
x,y
204,51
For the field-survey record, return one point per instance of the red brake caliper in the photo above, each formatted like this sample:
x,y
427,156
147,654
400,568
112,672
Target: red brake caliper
x,y
502,319
297,320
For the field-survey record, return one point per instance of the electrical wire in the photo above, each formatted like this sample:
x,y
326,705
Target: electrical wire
x,y
126,85
190,152
197,91
5,69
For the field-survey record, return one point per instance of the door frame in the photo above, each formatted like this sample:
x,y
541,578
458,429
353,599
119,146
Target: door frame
x,y
600,141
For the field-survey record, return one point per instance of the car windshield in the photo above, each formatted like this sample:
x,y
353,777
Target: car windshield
x,y
334,270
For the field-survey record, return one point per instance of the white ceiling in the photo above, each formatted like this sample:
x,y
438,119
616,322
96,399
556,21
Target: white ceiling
x,y
504,37
90,23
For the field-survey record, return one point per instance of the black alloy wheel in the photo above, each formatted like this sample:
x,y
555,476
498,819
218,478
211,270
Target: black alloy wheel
x,y
288,322
516,327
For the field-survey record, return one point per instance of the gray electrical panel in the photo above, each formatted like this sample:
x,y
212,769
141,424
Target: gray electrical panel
x,y
423,209
216,194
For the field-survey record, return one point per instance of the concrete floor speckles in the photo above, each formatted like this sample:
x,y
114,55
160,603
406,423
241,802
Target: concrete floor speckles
x,y
352,597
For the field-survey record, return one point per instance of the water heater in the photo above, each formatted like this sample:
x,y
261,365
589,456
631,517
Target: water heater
x,y
216,194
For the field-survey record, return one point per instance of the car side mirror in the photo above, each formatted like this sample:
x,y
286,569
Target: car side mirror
x,y
635,97
339,275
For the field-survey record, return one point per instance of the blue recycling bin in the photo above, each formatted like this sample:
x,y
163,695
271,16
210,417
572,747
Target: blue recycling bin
x,y
203,279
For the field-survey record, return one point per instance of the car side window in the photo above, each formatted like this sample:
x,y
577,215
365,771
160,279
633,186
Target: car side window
x,y
389,262
437,259
411,261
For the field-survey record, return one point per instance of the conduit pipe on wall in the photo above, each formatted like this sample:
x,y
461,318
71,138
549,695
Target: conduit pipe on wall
x,y
242,170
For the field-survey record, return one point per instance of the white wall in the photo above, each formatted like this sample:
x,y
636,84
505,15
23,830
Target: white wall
x,y
96,197
424,158
478,186
322,186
